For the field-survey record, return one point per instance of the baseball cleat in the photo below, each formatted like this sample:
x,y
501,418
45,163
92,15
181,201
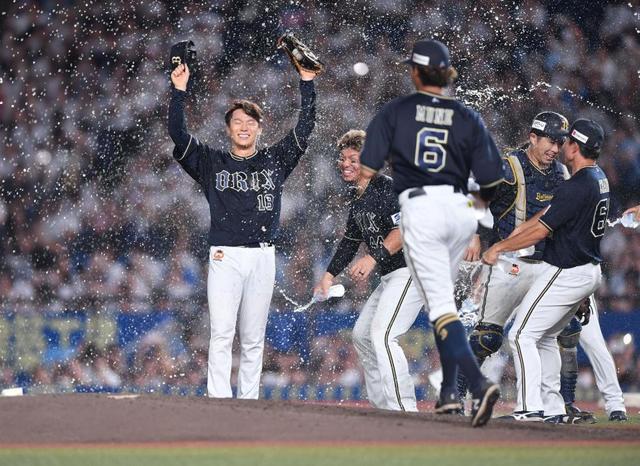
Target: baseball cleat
x,y
555,419
524,416
449,403
618,416
576,416
483,407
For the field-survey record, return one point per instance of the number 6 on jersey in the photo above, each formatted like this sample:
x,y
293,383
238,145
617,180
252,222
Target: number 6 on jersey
x,y
430,152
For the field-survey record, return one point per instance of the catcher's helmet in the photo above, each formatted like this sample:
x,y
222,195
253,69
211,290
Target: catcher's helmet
x,y
550,124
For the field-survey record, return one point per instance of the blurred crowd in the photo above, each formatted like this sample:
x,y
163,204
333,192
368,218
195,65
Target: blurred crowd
x,y
96,216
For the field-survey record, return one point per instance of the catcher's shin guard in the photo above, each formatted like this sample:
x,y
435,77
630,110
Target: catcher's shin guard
x,y
568,342
485,340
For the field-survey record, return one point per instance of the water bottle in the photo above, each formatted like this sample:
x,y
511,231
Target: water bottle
x,y
628,220
335,291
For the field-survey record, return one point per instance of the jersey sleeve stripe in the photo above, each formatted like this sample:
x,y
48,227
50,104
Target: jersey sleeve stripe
x,y
296,138
187,149
546,226
492,184
369,169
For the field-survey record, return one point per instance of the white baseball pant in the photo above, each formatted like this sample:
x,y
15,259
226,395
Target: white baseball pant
x,y
604,368
544,312
239,289
505,288
436,229
388,313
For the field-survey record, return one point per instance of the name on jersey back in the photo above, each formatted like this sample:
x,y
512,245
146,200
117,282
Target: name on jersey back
x,y
434,115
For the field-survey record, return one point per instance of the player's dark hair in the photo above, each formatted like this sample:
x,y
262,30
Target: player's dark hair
x,y
352,139
588,152
433,76
248,107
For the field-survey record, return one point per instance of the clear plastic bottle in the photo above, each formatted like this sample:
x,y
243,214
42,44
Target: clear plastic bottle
x,y
628,220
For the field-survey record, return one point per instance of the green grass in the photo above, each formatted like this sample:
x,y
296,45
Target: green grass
x,y
447,455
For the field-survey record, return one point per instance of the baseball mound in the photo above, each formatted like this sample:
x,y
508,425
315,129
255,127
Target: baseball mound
x,y
112,419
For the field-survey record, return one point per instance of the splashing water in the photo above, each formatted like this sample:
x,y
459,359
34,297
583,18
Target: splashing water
x,y
628,221
480,98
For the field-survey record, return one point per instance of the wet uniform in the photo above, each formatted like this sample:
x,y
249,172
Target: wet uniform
x,y
433,142
244,195
392,307
577,220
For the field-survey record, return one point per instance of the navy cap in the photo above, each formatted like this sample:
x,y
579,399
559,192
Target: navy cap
x,y
587,133
429,53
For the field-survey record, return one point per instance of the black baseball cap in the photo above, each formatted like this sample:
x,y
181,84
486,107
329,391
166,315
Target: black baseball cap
x,y
588,134
429,53
550,124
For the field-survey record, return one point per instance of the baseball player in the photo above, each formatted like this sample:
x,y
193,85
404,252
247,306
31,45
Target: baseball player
x,y
604,369
434,142
243,185
531,177
577,218
394,305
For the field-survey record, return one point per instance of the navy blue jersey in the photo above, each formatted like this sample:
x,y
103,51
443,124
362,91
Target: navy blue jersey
x,y
577,219
431,140
244,193
540,188
371,218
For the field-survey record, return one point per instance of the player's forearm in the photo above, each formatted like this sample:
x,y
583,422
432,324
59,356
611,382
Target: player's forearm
x,y
524,239
390,246
177,124
347,250
533,221
393,241
307,117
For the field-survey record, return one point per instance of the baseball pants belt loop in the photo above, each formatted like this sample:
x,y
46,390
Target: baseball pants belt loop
x,y
422,190
530,261
416,192
256,245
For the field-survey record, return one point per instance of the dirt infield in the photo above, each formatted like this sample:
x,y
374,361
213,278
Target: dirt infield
x,y
104,419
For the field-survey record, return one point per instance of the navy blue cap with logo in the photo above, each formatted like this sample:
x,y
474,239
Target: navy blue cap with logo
x,y
429,53
588,134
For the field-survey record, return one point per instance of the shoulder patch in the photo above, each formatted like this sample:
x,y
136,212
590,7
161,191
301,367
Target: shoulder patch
x,y
604,185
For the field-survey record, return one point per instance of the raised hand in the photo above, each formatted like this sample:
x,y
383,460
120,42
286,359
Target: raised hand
x,y
180,77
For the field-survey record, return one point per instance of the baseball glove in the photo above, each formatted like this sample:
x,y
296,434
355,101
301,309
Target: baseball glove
x,y
300,55
584,312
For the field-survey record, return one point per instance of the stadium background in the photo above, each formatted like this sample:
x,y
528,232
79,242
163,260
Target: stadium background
x,y
104,237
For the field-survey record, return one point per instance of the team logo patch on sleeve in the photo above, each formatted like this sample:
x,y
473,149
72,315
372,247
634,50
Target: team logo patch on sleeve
x,y
604,186
395,218
218,255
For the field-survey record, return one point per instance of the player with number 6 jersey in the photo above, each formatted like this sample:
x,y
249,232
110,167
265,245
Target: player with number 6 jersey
x,y
433,143
574,224
243,186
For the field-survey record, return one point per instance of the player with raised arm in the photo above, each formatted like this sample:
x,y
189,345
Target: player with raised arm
x,y
433,143
394,305
243,185
577,218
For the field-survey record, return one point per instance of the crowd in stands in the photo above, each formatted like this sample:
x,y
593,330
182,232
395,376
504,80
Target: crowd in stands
x,y
96,216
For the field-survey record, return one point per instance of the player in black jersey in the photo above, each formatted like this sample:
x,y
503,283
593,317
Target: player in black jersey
x,y
574,224
243,185
394,305
433,143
